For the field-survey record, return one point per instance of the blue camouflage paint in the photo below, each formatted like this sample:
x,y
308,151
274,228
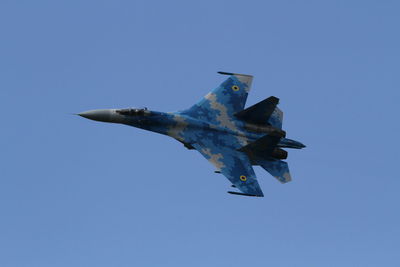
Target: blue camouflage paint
x,y
277,168
210,127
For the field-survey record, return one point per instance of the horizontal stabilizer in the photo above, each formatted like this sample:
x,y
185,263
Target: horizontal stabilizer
x,y
260,112
277,168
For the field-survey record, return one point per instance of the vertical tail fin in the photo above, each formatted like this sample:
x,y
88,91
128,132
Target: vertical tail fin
x,y
264,112
260,112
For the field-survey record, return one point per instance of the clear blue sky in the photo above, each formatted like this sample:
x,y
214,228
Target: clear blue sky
x,y
77,193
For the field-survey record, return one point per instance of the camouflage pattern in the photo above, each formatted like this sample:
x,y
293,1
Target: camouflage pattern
x,y
277,168
210,127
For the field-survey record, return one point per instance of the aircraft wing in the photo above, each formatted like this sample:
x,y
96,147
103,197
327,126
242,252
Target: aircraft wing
x,y
234,165
219,105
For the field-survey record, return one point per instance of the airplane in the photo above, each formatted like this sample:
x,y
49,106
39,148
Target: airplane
x,y
230,137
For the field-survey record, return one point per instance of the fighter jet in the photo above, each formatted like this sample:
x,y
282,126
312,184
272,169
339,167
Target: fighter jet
x,y
230,137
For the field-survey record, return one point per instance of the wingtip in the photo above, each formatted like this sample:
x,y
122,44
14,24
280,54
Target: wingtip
x,y
231,73
225,73
244,194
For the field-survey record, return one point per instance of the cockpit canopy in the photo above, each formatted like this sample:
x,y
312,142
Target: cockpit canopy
x,y
132,111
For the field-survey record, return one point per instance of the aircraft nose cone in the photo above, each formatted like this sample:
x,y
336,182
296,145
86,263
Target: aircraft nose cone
x,y
103,115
